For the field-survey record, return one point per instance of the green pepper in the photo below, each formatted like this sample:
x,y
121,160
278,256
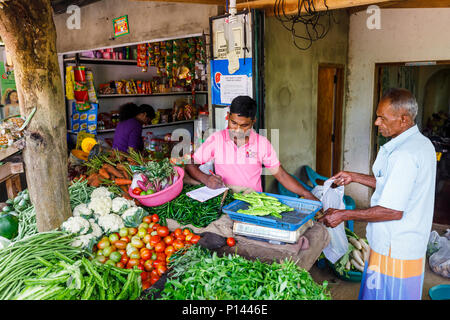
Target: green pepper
x,y
9,225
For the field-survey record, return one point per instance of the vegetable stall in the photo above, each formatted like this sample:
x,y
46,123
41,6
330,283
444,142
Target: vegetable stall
x,y
115,248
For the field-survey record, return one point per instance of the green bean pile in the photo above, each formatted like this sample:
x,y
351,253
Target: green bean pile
x,y
201,275
189,211
79,192
21,258
27,223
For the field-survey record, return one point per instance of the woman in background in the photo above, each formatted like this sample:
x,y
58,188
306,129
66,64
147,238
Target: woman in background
x,y
11,104
128,132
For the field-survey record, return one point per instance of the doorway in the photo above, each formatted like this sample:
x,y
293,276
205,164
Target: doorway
x,y
430,84
329,119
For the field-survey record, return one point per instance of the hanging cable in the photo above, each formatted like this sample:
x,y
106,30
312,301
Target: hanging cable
x,y
315,27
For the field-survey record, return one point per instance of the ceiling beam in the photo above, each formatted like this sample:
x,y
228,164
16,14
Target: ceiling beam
x,y
291,6
210,2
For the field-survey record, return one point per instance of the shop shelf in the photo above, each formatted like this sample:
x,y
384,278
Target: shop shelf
x,y
106,96
144,127
101,61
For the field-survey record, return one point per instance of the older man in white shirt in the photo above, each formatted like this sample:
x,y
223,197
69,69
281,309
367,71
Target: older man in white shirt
x,y
401,212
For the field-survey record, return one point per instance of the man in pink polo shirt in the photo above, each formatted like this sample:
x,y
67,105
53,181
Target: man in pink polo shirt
x,y
239,154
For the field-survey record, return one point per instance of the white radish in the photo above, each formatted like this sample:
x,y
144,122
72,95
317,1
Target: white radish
x,y
364,244
348,265
357,256
357,265
355,243
366,254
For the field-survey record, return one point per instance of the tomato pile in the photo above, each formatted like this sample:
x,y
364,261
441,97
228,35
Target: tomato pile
x,y
149,247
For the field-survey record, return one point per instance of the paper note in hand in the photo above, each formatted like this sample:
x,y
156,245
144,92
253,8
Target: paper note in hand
x,y
204,193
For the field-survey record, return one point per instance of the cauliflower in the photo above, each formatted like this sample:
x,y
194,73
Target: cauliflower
x,y
100,192
110,222
85,241
119,205
101,205
96,230
133,216
82,210
77,225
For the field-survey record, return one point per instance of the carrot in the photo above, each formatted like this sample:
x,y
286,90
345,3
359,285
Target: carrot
x,y
112,171
122,182
102,172
94,180
123,169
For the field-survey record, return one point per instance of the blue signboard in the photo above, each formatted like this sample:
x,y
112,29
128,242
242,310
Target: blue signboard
x,y
219,68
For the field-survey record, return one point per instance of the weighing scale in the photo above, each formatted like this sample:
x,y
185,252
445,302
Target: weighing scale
x,y
272,235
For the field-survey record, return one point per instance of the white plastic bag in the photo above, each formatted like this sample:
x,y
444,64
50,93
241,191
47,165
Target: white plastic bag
x,y
439,252
333,198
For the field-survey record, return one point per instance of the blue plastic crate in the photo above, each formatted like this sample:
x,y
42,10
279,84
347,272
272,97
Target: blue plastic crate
x,y
304,210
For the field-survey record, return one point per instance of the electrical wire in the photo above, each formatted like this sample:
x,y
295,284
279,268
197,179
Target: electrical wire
x,y
314,26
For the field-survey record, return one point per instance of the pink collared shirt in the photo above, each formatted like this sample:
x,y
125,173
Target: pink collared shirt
x,y
238,166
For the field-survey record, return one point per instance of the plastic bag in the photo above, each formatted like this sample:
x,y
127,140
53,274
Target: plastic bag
x,y
439,251
333,198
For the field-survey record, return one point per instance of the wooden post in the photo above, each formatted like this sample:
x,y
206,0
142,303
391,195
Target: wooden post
x,y
28,31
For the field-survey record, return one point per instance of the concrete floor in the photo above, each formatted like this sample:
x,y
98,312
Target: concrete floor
x,y
344,290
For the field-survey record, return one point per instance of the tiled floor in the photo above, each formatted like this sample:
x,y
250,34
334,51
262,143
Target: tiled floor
x,y
343,290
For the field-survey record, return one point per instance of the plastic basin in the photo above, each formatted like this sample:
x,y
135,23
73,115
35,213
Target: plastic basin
x,y
350,275
159,198
440,292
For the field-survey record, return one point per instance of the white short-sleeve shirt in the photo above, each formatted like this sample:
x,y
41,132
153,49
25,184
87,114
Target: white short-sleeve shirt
x,y
405,172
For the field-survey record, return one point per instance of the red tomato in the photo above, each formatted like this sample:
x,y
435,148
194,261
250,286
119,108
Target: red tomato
x,y
231,242
122,251
154,273
124,259
132,231
181,237
189,237
195,239
148,265
147,219
155,218
120,244
169,251
161,270
178,244
153,280
168,240
154,240
140,267
145,275
120,265
161,256
163,231
137,191
160,247
132,262
186,231
156,263
178,232
125,239
155,227
146,254
146,284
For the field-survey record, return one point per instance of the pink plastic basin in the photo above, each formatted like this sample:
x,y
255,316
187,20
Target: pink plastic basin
x,y
159,198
